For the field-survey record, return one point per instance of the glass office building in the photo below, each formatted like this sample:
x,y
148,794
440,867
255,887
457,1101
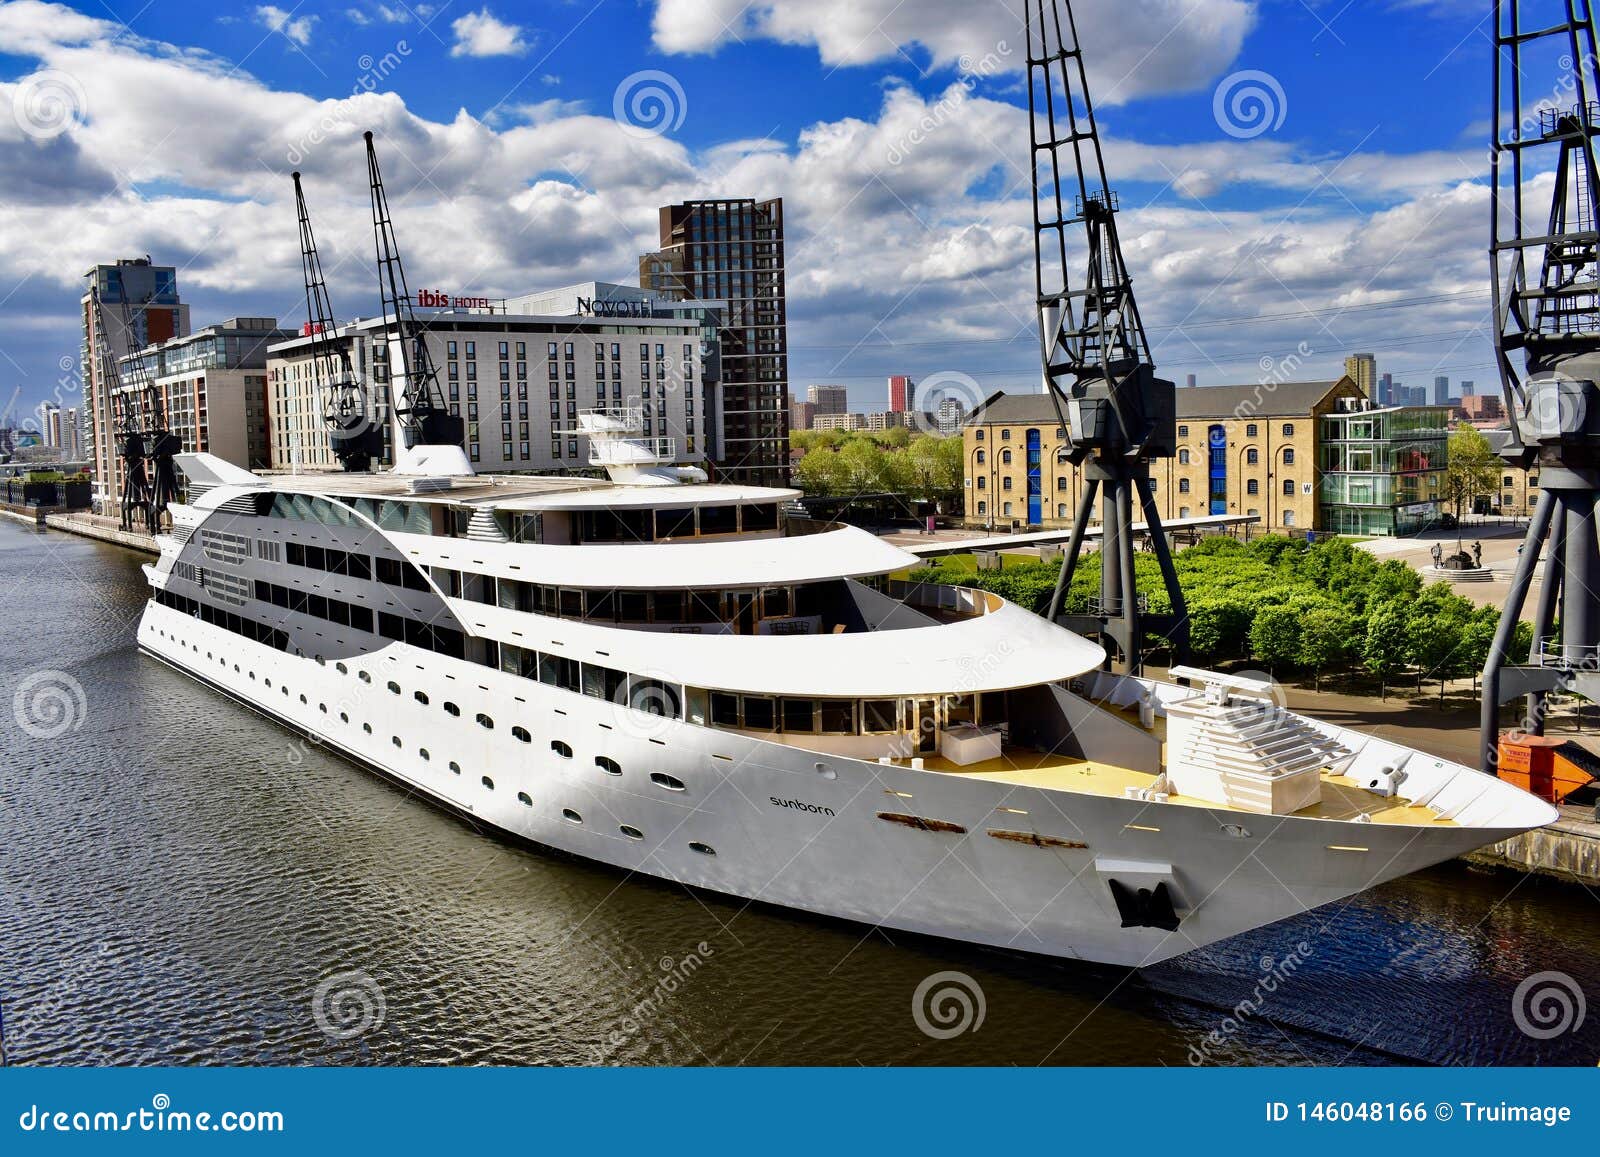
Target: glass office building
x,y
1382,469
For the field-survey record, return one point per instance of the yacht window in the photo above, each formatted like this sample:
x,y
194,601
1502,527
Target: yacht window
x,y
631,832
760,713
703,849
704,607
521,733
724,709
799,715
879,716
423,751
675,523
668,606
564,750
633,607
488,783
608,765
719,519
364,676
669,782
838,717
485,722
764,517
421,697
513,594
960,709
524,799
558,672
451,709
394,687
602,606
775,602
654,696
571,603
571,816
602,682
455,767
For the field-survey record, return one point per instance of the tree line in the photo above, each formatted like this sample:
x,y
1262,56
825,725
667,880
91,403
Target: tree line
x,y
926,467
1290,606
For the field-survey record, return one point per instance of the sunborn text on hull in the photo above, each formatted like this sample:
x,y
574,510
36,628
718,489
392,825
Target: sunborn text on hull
x,y
653,672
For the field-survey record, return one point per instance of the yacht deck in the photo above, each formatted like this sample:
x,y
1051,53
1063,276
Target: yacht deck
x,y
1341,799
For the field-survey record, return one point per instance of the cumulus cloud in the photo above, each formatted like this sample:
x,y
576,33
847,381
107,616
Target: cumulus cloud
x,y
296,28
481,33
909,243
1138,47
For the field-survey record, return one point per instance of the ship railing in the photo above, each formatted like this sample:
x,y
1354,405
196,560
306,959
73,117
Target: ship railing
x,y
1567,656
949,601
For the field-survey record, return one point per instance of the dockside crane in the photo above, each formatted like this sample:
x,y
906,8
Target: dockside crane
x,y
1117,413
127,421
352,435
159,444
1543,260
419,406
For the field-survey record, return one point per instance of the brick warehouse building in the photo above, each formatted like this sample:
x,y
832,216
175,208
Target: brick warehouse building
x,y
1250,449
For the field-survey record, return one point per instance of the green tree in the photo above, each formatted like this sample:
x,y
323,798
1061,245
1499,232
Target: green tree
x,y
1383,649
1324,637
1472,469
1275,636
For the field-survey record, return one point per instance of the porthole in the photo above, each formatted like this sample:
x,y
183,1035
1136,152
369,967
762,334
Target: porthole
x,y
322,707
564,750
669,782
455,767
485,722
394,688
395,739
631,832
488,783
285,690
608,765
252,676
341,668
367,727
268,683
344,717
522,734
423,751
421,697
451,709
703,849
302,699
571,816
524,799
365,677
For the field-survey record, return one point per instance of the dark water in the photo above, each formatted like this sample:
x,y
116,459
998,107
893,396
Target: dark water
x,y
179,878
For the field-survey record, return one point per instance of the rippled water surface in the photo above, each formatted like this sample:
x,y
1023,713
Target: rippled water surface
x,y
183,882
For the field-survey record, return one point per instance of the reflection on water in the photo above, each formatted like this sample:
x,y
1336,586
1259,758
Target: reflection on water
x,y
183,882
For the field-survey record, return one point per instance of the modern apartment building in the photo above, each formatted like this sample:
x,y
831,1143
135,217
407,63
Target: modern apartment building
x,y
828,399
902,394
1382,467
212,387
1362,369
731,251
140,306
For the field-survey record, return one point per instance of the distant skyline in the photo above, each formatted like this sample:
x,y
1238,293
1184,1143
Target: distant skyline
x,y
1277,212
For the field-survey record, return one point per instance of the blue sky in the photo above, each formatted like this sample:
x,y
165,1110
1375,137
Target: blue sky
x,y
1356,221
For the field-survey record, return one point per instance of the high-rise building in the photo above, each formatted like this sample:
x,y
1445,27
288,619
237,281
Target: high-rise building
x,y
731,251
1385,394
72,435
50,425
140,307
1467,389
802,414
828,400
1190,381
902,394
1441,390
1362,369
952,412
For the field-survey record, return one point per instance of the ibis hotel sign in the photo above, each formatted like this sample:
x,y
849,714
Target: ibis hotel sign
x,y
439,299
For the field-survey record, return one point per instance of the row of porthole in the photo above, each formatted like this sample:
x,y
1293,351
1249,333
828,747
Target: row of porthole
x,y
660,778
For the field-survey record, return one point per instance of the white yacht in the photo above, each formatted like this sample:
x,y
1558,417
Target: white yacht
x,y
649,671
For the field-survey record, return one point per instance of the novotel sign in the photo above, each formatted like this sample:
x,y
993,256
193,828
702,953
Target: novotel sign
x,y
438,299
616,307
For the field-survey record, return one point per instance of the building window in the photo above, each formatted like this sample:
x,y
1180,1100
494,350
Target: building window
x,y
1005,483
1288,457
983,483
977,435
982,457
1252,487
1288,485
1288,429
1252,457
1183,486
983,507
1183,457
1183,431
1288,518
1005,457
1250,430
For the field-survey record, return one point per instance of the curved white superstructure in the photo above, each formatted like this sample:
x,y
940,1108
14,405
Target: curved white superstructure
x,y
650,673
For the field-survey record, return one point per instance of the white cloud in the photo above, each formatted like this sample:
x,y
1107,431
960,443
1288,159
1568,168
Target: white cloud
x,y
1135,47
296,28
481,33
926,260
